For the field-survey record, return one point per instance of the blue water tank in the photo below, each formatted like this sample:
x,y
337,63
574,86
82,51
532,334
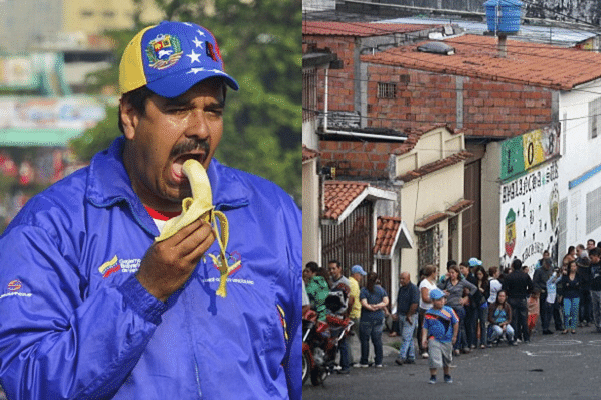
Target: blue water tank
x,y
503,16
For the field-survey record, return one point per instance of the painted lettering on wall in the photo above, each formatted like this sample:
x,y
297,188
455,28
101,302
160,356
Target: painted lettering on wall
x,y
529,216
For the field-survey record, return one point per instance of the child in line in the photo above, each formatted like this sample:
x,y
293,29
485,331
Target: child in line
x,y
439,334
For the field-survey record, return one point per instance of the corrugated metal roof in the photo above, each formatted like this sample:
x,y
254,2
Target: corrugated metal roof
x,y
360,29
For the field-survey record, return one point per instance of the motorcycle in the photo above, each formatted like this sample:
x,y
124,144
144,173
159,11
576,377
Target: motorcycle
x,y
320,344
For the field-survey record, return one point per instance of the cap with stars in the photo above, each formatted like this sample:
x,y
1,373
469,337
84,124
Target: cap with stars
x,y
170,58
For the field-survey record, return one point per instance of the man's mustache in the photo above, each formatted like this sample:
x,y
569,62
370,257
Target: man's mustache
x,y
190,145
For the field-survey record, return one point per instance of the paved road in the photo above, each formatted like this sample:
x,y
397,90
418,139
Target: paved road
x,y
550,367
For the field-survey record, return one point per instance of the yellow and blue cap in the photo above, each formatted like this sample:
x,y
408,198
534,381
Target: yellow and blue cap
x,y
170,58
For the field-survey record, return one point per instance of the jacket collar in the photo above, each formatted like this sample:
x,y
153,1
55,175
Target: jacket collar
x,y
108,184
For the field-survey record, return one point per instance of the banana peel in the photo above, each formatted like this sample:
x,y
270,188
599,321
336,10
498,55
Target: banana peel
x,y
200,205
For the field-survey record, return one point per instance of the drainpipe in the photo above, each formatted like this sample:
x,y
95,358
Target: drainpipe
x,y
348,133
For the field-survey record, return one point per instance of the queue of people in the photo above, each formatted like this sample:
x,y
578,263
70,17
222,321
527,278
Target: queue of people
x,y
466,308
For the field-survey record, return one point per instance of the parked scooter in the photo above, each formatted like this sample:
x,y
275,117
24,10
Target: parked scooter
x,y
320,344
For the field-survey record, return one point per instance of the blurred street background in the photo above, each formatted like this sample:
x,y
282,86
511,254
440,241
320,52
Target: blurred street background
x,y
58,85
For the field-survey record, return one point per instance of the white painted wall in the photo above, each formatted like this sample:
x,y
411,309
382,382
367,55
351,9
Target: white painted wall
x,y
311,208
580,154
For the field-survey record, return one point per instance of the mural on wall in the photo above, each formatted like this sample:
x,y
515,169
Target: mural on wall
x,y
522,153
529,217
529,197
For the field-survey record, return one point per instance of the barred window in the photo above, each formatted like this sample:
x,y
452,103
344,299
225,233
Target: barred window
x,y
428,251
594,111
386,90
309,94
593,210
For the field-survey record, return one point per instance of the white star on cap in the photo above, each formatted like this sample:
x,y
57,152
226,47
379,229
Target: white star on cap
x,y
201,33
195,70
193,56
197,42
187,23
217,71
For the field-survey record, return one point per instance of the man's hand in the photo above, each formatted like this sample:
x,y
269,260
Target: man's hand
x,y
168,264
409,319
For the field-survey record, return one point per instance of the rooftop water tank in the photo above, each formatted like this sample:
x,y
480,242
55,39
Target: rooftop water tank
x,y
503,16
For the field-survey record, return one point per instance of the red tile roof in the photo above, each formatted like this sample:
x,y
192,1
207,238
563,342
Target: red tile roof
x,y
429,221
435,166
532,64
338,195
309,154
460,206
361,29
388,228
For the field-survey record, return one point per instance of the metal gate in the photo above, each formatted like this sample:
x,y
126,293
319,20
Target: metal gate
x,y
384,269
351,241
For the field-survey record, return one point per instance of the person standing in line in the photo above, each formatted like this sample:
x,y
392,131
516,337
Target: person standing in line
x,y
342,284
585,315
455,288
518,285
317,288
590,244
356,278
570,291
374,300
541,276
407,304
425,303
439,334
481,305
595,256
494,285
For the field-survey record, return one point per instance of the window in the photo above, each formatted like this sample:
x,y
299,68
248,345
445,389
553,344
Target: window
x,y
593,210
309,94
428,251
86,13
594,112
386,90
108,14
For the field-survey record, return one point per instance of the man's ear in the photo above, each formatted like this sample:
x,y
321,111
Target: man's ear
x,y
129,118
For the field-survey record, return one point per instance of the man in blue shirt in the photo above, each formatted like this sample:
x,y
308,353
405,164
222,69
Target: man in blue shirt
x,y
407,303
441,326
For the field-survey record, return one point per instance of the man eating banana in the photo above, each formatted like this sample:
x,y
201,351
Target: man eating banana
x,y
155,272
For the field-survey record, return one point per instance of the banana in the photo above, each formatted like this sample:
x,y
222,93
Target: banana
x,y
200,205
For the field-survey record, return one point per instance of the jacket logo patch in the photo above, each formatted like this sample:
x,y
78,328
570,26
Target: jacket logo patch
x,y
232,258
109,267
14,289
115,264
14,285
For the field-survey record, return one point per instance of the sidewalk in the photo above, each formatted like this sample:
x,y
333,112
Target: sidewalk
x,y
387,342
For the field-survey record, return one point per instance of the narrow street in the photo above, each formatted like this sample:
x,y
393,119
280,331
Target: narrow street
x,y
551,367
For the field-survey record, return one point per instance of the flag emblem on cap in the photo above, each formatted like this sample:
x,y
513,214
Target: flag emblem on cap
x,y
164,51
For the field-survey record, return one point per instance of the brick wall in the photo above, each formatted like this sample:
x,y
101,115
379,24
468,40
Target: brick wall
x,y
340,81
356,159
489,108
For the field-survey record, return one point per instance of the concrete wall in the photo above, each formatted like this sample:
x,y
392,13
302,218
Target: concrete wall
x,y
311,213
490,167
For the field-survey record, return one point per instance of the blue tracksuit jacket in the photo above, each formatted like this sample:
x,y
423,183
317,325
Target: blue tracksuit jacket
x,y
75,323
